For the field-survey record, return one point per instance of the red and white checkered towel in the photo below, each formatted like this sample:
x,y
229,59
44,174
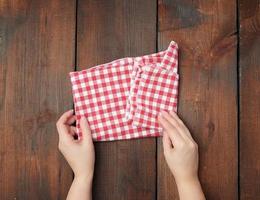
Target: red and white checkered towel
x,y
154,87
122,99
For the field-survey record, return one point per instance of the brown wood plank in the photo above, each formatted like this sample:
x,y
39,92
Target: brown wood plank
x,y
206,34
108,30
249,62
36,54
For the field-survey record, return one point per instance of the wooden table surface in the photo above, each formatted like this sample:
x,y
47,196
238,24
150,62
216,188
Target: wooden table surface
x,y
41,41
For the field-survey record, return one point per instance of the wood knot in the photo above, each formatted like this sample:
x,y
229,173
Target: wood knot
x,y
211,126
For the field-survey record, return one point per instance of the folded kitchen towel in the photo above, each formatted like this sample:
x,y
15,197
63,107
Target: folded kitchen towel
x,y
154,88
135,79
113,96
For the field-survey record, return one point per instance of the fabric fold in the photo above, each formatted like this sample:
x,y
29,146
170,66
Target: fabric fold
x,y
157,91
164,62
121,99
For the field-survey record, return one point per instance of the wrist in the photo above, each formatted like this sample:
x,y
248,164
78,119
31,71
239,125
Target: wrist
x,y
191,180
190,188
84,174
83,179
81,188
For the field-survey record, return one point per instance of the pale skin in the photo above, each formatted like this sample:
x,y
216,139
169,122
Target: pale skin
x,y
80,155
180,151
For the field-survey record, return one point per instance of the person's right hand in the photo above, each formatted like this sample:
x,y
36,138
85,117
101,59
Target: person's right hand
x,y
181,154
180,150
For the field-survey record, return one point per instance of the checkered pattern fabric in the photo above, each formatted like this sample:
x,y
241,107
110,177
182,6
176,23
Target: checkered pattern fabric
x,y
157,91
154,87
120,98
135,79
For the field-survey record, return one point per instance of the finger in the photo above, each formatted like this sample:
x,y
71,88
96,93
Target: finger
x,y
73,130
181,129
71,120
64,118
62,122
170,119
167,143
174,114
171,130
74,134
66,133
63,128
181,124
85,129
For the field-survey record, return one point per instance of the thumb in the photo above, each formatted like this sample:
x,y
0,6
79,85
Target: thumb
x,y
85,130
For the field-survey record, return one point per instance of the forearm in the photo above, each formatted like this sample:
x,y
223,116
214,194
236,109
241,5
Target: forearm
x,y
81,188
190,189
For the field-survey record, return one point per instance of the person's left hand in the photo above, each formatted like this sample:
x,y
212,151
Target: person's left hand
x,y
80,154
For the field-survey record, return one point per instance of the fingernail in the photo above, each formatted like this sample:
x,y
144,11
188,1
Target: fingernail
x,y
79,137
83,118
172,112
159,115
164,113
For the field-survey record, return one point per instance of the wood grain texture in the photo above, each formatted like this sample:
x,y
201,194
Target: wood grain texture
x,y
206,34
109,30
249,62
37,50
36,54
